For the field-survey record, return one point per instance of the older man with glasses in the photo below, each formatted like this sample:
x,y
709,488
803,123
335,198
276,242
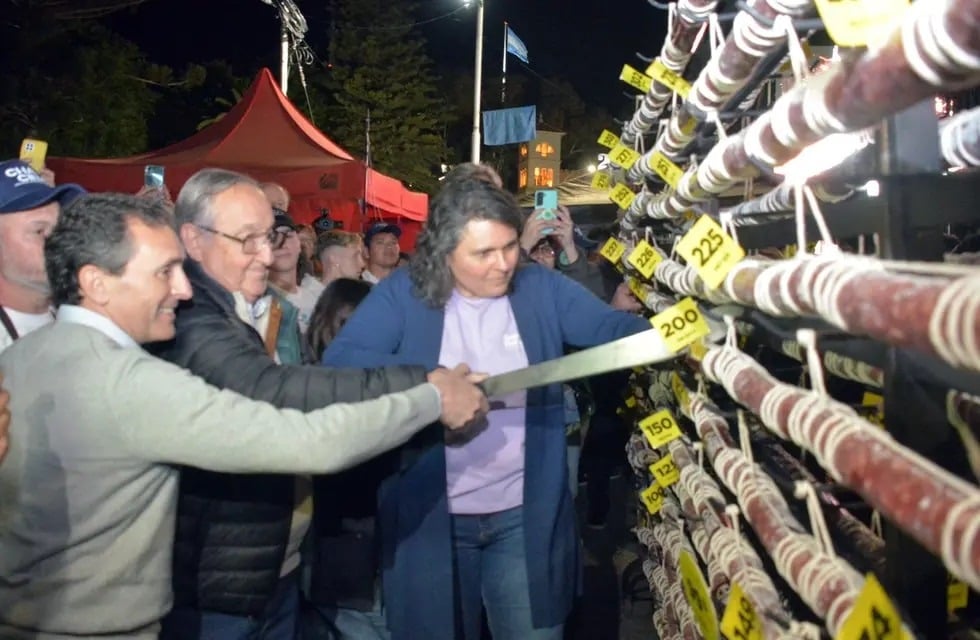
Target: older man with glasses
x,y
238,537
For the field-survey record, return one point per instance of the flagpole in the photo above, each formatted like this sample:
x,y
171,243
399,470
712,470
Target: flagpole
x,y
477,84
503,78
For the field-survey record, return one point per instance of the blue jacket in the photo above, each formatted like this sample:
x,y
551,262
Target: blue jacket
x,y
392,326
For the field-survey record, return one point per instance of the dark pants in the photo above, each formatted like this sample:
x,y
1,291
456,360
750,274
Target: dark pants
x,y
279,621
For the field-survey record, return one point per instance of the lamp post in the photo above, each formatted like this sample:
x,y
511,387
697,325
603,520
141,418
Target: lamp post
x,y
477,82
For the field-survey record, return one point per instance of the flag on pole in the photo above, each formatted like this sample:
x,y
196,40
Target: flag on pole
x,y
515,46
507,126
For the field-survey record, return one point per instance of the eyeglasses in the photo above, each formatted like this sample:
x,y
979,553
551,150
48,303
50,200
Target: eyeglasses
x,y
251,244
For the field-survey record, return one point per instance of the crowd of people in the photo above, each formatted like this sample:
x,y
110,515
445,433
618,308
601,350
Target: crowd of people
x,y
225,425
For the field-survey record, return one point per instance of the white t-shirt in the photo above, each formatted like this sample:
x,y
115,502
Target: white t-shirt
x,y
305,299
367,276
24,323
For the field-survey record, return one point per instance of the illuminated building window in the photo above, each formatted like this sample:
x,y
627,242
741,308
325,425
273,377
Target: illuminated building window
x,y
523,150
522,178
544,177
544,149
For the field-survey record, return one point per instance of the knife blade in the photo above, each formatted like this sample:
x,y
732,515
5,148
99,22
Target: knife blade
x,y
646,347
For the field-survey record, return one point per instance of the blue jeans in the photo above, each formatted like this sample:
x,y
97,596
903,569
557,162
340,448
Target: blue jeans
x,y
338,623
490,567
279,621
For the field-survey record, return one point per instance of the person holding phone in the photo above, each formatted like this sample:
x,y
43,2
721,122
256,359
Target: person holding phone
x,y
29,210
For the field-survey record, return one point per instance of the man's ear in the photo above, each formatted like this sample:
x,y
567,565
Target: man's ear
x,y
190,237
93,284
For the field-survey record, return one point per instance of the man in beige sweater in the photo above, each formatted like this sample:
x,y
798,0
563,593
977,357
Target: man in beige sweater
x,y
87,493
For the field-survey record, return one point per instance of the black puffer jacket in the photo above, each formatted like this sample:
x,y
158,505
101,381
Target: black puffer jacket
x,y
232,530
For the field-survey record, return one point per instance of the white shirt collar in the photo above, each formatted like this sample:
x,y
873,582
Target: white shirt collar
x,y
74,314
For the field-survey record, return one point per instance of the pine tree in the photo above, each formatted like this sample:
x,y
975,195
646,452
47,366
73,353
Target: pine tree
x,y
378,65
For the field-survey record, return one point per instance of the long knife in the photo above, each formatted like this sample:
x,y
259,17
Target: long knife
x,y
637,350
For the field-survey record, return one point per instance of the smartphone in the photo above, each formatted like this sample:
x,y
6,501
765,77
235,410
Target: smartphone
x,y
546,204
546,199
33,152
153,176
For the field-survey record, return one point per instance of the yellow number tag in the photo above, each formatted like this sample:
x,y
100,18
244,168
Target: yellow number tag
x,y
874,400
710,250
659,72
740,621
636,78
667,170
622,196
637,288
873,616
601,181
681,325
665,472
680,390
608,139
644,259
613,250
689,126
698,349
957,594
855,23
697,596
653,497
623,156
660,428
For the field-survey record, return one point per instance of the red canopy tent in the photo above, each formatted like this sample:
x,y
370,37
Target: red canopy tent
x,y
268,138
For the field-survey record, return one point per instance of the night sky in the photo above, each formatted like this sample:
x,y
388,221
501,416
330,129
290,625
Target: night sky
x,y
583,41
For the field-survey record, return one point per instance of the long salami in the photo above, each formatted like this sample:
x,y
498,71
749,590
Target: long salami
x,y
939,510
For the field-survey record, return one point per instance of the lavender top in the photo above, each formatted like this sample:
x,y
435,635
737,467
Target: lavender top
x,y
486,474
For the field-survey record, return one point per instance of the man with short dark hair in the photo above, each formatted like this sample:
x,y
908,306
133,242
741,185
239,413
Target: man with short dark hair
x,y
88,491
29,208
381,251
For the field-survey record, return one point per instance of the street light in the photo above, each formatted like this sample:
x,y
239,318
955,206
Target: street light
x,y
477,81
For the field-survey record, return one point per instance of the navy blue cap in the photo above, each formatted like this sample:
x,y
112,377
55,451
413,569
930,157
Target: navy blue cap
x,y
22,188
381,227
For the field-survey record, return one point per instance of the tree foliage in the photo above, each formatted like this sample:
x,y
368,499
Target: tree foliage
x,y
84,90
379,66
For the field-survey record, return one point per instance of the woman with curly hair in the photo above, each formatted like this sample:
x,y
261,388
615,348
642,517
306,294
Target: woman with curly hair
x,y
489,521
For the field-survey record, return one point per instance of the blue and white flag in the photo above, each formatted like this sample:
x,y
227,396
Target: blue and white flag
x,y
515,46
507,126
